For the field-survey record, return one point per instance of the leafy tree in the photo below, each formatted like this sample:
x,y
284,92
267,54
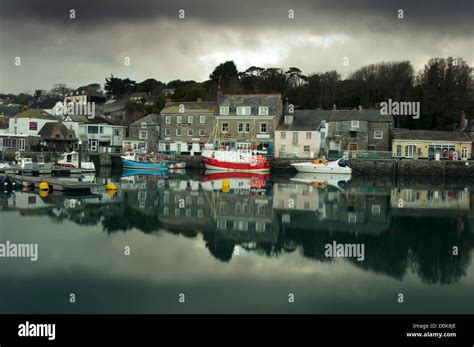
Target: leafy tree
x,y
118,87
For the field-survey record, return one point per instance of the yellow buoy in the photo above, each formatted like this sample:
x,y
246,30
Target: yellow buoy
x,y
111,186
43,193
110,192
43,186
225,186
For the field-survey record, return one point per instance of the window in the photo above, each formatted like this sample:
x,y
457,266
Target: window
x,y
240,127
202,119
179,132
179,119
288,119
190,119
378,134
93,145
263,128
323,135
409,151
306,148
92,129
168,119
353,134
283,135
190,132
157,128
295,138
399,151
143,125
354,123
225,127
202,132
375,209
263,111
308,135
260,226
352,218
243,111
117,132
463,153
143,135
224,110
282,148
247,127
167,132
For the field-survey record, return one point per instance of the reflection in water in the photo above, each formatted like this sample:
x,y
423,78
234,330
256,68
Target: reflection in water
x,y
405,229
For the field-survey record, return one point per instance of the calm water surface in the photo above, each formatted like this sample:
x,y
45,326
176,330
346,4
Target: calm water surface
x,y
243,248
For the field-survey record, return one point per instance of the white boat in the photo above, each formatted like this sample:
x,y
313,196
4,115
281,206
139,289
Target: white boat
x,y
71,160
5,165
28,165
324,166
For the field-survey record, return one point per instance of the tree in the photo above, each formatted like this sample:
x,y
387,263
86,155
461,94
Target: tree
x,y
60,90
150,86
118,87
227,76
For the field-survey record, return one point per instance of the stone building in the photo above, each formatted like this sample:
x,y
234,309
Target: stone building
x,y
144,134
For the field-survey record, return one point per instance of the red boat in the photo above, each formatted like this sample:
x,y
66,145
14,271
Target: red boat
x,y
236,160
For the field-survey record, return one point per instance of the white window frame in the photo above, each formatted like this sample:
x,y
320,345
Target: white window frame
x,y
283,135
179,132
378,137
376,209
244,111
309,135
202,119
190,132
179,119
190,119
308,147
355,124
398,151
202,132
224,110
260,128
168,119
240,128
263,110
167,132
141,137
143,125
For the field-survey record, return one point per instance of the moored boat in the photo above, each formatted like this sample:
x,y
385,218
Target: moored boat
x,y
322,165
71,160
236,160
142,161
322,180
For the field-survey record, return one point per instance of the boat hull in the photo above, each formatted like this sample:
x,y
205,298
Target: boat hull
x,y
139,165
214,164
321,168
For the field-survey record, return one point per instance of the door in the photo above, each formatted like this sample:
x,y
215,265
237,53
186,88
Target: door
x,y
21,144
409,151
353,146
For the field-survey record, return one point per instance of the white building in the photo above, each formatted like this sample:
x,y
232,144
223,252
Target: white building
x,y
29,122
98,134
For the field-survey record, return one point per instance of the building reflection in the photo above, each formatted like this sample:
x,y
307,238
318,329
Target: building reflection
x,y
404,228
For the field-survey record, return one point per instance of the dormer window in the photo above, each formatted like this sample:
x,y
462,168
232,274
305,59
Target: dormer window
x,y
143,125
354,124
288,119
224,110
263,111
243,111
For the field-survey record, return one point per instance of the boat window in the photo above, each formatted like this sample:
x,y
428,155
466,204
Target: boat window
x,y
342,163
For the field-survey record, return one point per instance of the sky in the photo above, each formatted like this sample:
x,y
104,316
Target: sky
x,y
104,35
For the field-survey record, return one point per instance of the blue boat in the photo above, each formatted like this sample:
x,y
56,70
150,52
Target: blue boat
x,y
137,161
142,172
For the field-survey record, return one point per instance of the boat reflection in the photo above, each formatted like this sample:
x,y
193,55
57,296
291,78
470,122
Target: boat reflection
x,y
338,181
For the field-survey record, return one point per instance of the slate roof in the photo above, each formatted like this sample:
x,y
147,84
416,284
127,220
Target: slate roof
x,y
9,110
47,130
272,101
35,113
304,120
370,115
194,106
151,119
43,104
430,135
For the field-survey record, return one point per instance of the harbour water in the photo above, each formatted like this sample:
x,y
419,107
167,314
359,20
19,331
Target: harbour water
x,y
227,243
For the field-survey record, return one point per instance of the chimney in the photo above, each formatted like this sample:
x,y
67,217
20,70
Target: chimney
x,y
219,92
462,121
167,101
334,107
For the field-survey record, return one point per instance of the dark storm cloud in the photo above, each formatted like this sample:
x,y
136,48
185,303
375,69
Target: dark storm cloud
x,y
54,48
433,14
